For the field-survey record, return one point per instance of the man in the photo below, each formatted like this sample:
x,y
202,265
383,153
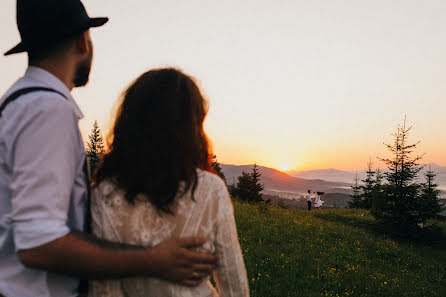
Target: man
x,y
43,177
308,196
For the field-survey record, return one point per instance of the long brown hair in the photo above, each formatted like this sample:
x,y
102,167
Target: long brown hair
x,y
158,139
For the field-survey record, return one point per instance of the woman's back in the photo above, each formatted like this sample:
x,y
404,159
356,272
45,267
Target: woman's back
x,y
210,215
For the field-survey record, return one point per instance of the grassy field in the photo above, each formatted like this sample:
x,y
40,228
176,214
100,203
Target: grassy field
x,y
334,253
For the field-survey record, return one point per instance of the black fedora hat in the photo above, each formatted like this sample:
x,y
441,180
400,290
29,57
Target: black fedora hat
x,y
43,22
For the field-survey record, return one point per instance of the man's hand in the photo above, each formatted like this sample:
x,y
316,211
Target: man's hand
x,y
82,255
173,260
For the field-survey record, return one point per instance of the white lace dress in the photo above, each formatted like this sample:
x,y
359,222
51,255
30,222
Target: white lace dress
x,y
318,202
210,215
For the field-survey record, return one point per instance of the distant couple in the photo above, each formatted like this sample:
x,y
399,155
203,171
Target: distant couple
x,y
317,199
161,222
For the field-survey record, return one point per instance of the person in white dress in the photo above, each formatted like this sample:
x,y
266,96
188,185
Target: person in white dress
x,y
318,202
155,184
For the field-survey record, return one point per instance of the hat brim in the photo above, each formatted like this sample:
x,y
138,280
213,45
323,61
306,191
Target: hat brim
x,y
19,48
97,22
93,23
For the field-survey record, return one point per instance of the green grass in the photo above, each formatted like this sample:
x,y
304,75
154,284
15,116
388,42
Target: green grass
x,y
333,253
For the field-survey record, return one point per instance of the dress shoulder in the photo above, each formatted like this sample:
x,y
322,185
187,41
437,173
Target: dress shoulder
x,y
105,188
211,179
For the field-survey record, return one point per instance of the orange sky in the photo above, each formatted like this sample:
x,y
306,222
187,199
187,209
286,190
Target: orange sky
x,y
296,84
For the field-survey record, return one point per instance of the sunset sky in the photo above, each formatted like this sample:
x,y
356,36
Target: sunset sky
x,y
291,84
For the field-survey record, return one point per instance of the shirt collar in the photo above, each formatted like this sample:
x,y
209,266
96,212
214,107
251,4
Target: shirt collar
x,y
46,78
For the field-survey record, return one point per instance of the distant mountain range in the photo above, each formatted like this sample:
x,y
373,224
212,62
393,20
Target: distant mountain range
x,y
336,175
295,183
331,174
282,184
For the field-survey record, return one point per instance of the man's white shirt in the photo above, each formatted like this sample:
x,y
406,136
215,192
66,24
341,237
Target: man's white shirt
x,y
43,187
309,196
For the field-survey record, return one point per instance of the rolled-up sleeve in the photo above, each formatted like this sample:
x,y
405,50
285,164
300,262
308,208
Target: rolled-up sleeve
x,y
43,172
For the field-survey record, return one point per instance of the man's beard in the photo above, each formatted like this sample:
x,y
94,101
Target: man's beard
x,y
82,72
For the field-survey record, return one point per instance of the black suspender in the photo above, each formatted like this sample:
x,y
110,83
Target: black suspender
x,y
24,91
83,286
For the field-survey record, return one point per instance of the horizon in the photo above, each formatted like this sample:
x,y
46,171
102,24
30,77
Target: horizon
x,y
325,174
320,169
291,85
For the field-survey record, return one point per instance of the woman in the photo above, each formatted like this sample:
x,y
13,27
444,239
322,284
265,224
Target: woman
x,y
318,202
155,183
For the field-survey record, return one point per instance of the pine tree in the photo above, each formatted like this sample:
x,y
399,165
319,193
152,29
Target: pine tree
x,y
429,201
243,187
368,187
356,201
377,193
399,204
232,189
257,187
217,168
248,187
379,177
95,146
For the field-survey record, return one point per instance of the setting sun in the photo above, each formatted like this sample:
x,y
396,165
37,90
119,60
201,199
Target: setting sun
x,y
285,167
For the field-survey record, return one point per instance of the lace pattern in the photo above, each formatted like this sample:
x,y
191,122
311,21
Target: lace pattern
x,y
211,215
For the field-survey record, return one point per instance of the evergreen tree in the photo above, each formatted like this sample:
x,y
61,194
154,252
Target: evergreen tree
x,y
399,204
95,146
356,201
232,189
430,204
257,187
377,193
217,168
379,177
368,187
248,187
243,187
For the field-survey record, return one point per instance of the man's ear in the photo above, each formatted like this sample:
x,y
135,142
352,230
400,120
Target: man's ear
x,y
81,43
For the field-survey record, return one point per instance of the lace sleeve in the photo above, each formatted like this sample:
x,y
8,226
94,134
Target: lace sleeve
x,y
96,215
230,275
101,288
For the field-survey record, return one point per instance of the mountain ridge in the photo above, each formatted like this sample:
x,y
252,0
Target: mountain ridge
x,y
337,175
290,184
278,181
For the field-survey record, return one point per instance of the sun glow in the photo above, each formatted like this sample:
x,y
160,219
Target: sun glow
x,y
285,167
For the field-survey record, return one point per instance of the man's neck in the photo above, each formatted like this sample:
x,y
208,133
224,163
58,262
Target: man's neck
x,y
63,73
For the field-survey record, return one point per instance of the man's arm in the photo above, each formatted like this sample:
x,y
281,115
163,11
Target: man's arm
x,y
46,157
82,255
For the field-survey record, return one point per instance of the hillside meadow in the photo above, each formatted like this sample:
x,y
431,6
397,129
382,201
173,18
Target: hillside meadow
x,y
335,252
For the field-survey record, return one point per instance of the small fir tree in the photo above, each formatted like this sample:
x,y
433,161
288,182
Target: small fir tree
x,y
379,177
430,204
377,193
232,189
399,204
217,168
356,201
248,187
243,187
95,146
368,186
256,185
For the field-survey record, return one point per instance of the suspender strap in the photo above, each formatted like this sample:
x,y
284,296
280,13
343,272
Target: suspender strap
x,y
83,286
24,91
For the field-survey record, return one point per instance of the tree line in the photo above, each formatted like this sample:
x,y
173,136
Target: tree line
x,y
397,196
248,188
